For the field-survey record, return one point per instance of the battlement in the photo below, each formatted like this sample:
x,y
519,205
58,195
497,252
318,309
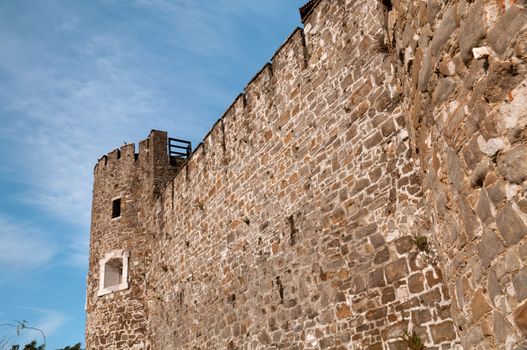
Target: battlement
x,y
155,148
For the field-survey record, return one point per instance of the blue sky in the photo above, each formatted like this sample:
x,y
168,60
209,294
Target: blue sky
x,y
79,78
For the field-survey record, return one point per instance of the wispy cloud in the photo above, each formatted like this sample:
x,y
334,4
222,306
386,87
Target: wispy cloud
x,y
50,321
22,248
89,78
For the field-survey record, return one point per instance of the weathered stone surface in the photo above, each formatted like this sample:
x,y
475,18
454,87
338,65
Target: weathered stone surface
x,y
511,227
501,327
522,253
513,164
426,70
454,170
416,283
382,256
507,28
443,331
432,8
480,306
489,247
404,244
396,270
483,207
520,285
472,153
343,311
493,285
522,204
520,317
474,337
473,30
292,226
443,89
480,173
376,278
449,23
497,194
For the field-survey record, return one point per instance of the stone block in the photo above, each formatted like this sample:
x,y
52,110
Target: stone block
x,y
479,306
395,330
388,295
511,227
426,71
489,246
520,285
376,314
396,270
522,253
443,331
382,256
507,28
433,277
376,278
483,207
448,25
493,286
431,298
501,328
343,311
472,153
416,282
404,244
443,89
520,317
513,164
377,240
473,30
421,316
496,193
470,222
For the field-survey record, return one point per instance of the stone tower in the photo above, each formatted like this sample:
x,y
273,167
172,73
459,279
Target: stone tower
x,y
125,184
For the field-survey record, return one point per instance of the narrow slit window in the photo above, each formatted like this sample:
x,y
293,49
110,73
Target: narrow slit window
x,y
116,208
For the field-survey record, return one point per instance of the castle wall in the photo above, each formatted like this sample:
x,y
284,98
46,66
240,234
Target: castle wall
x,y
292,225
369,182
462,70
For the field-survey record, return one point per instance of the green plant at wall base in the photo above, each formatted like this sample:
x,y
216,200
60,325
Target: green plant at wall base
x,y
421,243
413,342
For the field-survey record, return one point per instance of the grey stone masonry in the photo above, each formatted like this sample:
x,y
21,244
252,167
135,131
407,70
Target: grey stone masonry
x,y
367,190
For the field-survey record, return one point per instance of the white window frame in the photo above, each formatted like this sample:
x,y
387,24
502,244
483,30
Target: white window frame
x,y
114,254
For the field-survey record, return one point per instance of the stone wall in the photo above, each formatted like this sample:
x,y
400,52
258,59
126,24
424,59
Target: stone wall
x,y
366,191
292,225
461,68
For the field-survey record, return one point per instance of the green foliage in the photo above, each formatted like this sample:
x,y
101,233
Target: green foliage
x,y
74,347
413,342
34,346
421,243
31,346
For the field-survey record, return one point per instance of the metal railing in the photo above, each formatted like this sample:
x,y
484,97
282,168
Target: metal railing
x,y
179,148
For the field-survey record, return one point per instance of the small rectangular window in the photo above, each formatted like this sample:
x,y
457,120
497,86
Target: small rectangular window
x,y
113,272
116,208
